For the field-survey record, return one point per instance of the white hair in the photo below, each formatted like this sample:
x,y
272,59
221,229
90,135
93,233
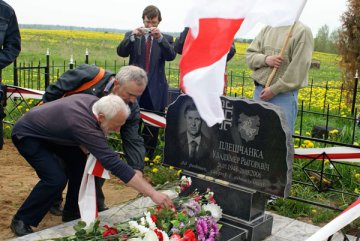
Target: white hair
x,y
110,105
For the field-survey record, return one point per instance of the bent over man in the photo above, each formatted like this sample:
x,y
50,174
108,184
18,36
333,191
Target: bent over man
x,y
64,129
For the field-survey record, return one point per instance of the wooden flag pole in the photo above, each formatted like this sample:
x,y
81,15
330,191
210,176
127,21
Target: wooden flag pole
x,y
271,76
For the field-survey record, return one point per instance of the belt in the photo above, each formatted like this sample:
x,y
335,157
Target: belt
x,y
257,84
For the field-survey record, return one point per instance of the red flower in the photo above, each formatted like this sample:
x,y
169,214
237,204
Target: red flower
x,y
159,234
189,236
153,218
197,198
109,231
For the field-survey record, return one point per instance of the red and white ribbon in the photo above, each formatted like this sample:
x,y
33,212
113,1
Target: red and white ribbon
x,y
87,192
346,217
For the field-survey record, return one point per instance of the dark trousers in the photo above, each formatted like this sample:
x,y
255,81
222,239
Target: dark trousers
x,y
44,158
1,126
150,135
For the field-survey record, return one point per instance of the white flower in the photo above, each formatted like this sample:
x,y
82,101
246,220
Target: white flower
x,y
150,236
141,229
150,222
214,209
142,221
165,236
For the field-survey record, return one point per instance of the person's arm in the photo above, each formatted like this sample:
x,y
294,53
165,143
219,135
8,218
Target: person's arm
x,y
126,45
296,73
167,48
231,53
179,41
133,143
70,80
11,46
255,57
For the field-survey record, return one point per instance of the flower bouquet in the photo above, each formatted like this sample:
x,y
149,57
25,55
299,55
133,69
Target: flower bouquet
x,y
193,218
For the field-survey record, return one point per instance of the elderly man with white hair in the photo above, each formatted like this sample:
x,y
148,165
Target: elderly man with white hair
x,y
64,129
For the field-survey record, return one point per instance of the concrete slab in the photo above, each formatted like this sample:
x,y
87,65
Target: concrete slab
x,y
284,229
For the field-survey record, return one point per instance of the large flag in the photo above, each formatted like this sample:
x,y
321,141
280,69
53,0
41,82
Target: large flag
x,y
213,25
87,192
346,217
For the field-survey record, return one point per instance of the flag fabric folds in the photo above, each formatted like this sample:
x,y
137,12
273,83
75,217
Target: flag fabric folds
x,y
87,192
347,216
213,25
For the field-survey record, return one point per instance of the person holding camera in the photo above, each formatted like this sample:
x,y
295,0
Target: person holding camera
x,y
149,48
10,46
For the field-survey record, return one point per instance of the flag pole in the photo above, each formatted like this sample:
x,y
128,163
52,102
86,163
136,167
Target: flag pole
x,y
271,76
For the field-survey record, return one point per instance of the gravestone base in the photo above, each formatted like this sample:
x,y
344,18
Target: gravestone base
x,y
257,230
229,232
243,209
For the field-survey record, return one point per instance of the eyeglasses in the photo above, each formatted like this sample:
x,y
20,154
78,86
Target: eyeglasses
x,y
152,22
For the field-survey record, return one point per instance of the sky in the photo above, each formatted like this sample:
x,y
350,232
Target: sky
x,y
126,14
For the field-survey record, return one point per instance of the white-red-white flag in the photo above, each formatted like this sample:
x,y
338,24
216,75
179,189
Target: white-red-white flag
x,y
347,216
87,192
213,25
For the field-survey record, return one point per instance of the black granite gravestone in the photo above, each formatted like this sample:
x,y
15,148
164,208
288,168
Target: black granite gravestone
x,y
243,160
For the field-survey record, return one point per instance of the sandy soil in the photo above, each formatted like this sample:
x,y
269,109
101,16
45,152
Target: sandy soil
x,y
17,178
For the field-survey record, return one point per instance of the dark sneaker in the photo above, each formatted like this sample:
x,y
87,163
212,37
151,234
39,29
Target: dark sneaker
x,y
20,228
56,210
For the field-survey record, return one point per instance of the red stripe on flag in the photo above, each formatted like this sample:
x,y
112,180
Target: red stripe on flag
x,y
152,120
98,169
212,43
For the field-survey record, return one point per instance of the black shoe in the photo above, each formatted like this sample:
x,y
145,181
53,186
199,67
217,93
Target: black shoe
x,y
20,228
69,216
56,210
102,208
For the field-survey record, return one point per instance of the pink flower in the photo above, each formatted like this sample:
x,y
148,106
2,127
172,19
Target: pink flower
x,y
175,237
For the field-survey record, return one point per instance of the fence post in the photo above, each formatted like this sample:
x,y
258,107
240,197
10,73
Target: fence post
x,y
71,64
355,91
86,56
47,69
16,80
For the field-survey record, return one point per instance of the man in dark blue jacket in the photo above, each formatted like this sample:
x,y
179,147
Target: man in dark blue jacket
x,y
148,48
10,46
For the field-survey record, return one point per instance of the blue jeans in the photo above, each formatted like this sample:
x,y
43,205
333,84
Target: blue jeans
x,y
287,101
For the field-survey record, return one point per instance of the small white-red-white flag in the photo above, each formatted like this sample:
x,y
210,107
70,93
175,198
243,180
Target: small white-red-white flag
x,y
212,27
347,216
87,192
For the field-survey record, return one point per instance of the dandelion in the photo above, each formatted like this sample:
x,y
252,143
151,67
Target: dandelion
x,y
314,211
27,109
19,107
146,159
155,170
356,190
357,175
297,132
178,172
171,167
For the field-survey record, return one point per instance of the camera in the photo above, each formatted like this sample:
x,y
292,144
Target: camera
x,y
146,30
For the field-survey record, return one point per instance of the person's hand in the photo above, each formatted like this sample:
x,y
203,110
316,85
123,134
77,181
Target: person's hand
x,y
266,94
161,199
138,31
274,60
155,32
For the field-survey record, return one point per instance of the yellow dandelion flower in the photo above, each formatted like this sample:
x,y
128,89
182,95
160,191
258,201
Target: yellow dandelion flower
x,y
297,132
357,175
7,127
19,107
151,164
157,157
356,190
326,162
314,211
178,172
27,109
146,159
310,145
307,133
171,167
155,170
